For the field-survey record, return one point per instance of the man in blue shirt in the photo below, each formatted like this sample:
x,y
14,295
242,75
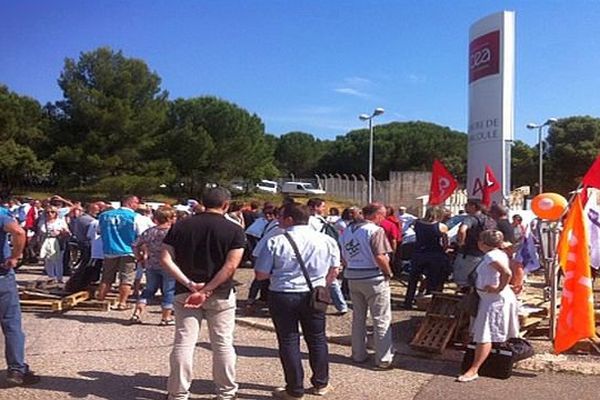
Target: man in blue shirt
x,y
289,296
119,228
10,309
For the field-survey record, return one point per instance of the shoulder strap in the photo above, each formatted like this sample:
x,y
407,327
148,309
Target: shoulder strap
x,y
300,260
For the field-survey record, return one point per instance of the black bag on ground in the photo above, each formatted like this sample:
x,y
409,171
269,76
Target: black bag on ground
x,y
499,363
84,276
521,349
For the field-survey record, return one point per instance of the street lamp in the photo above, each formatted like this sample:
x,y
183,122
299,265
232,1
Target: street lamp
x,y
366,117
539,127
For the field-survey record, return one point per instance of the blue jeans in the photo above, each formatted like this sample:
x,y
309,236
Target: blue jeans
x,y
288,310
337,297
10,319
155,279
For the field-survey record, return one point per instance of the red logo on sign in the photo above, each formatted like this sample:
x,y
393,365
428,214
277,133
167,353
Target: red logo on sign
x,y
484,56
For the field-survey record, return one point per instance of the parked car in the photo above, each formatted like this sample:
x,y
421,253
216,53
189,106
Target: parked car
x,y
301,188
267,186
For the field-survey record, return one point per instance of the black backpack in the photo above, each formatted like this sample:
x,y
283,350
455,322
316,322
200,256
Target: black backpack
x,y
483,223
329,230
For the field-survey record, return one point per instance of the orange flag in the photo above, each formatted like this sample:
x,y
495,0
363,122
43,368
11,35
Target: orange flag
x,y
576,318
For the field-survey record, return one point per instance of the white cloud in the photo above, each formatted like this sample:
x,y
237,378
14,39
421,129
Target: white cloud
x,y
352,92
356,81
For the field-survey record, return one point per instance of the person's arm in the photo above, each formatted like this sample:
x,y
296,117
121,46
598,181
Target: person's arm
x,y
380,247
518,276
167,261
18,237
335,263
461,236
444,232
263,265
505,276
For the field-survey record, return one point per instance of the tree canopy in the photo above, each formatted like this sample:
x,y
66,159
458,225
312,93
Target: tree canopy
x,y
573,145
397,146
22,132
109,119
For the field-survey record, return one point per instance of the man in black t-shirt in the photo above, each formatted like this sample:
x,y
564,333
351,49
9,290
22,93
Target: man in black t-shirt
x,y
500,215
202,253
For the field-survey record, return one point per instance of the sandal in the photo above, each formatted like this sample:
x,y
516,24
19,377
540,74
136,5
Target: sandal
x,y
166,322
135,319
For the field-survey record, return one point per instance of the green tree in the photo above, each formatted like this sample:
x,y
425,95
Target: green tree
x,y
298,153
108,123
18,165
524,165
22,132
212,140
573,145
398,146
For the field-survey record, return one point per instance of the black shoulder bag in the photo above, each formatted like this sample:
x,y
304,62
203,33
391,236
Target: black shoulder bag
x,y
320,298
469,303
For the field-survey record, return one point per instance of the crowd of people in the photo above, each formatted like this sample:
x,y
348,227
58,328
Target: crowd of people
x,y
296,250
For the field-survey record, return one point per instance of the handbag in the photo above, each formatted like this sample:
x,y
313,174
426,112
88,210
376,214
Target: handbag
x,y
469,304
320,298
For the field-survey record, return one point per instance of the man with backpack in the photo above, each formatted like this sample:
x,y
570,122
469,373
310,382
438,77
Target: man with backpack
x,y
468,254
318,222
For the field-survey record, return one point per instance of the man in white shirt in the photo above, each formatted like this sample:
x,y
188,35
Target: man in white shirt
x,y
289,296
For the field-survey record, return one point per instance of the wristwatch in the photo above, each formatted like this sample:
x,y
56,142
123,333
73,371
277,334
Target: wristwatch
x,y
191,285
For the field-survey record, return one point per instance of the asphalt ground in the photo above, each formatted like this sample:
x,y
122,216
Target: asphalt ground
x,y
98,355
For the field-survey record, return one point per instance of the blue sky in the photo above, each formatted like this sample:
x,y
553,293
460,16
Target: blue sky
x,y
314,66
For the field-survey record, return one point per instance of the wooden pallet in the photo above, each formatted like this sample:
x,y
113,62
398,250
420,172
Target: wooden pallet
x,y
440,323
75,298
434,333
41,305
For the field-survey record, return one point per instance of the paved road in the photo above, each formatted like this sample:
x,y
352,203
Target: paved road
x,y
92,355
97,355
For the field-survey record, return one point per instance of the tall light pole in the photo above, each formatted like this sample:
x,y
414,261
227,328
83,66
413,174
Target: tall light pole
x,y
539,127
367,117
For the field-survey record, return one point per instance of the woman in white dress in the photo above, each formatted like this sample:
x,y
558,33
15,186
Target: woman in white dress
x,y
497,318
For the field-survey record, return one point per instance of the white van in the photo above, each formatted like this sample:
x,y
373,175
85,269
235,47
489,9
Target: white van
x,y
267,186
301,188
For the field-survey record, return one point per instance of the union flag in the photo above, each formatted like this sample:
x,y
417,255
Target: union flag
x,y
576,318
443,184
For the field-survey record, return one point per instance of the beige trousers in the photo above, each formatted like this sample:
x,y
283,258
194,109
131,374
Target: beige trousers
x,y
220,317
373,295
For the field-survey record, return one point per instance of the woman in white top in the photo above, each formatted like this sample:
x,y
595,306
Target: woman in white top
x,y
53,230
497,318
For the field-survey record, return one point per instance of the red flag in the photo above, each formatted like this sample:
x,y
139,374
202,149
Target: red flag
x,y
443,184
490,185
576,318
592,177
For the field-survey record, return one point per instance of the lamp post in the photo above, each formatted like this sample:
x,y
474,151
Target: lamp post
x,y
366,117
539,127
